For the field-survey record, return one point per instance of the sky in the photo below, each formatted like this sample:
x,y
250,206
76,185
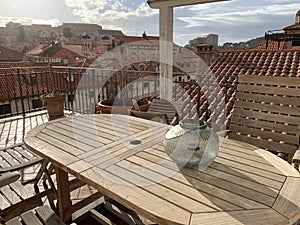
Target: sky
x,y
233,21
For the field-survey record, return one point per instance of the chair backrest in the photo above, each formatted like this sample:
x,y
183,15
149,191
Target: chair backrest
x,y
267,113
164,107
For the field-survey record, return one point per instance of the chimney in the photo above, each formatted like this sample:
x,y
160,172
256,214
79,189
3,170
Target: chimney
x,y
205,52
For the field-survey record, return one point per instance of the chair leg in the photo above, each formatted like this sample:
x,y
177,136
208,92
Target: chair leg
x,y
52,196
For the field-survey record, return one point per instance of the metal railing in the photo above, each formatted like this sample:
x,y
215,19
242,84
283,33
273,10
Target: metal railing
x,y
21,88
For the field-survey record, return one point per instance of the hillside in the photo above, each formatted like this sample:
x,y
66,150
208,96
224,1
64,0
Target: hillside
x,y
243,45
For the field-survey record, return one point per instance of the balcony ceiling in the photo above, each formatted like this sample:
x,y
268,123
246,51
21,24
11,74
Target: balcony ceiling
x,y
174,3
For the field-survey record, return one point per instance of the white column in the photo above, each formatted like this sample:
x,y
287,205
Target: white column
x,y
166,51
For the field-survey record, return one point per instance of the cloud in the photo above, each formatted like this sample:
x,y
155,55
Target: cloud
x,y
120,15
90,11
86,4
27,21
84,8
235,20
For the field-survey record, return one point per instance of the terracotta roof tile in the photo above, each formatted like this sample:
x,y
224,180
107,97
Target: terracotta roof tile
x,y
292,27
9,81
272,45
151,40
9,55
226,68
74,58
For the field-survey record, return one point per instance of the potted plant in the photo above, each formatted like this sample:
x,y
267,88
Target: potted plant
x,y
54,102
121,106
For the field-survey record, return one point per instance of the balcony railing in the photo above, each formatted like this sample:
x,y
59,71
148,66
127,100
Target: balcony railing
x,y
21,88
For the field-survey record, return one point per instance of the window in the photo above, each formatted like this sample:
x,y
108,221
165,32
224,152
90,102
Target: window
x,y
33,80
296,43
5,109
37,103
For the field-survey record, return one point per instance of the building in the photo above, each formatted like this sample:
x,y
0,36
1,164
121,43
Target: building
x,y
288,38
210,39
9,55
78,29
206,53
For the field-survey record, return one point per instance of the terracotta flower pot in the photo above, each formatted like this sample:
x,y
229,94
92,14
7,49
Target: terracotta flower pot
x,y
118,107
55,106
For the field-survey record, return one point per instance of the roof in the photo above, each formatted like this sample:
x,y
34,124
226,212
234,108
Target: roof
x,y
11,67
38,49
73,57
258,62
272,45
110,32
292,27
137,39
224,72
9,55
9,80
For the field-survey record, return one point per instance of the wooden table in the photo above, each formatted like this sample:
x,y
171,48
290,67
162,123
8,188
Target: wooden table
x,y
123,157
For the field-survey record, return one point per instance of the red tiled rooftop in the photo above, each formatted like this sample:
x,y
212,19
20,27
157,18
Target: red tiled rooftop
x,y
258,62
153,40
9,55
74,58
272,45
293,27
225,70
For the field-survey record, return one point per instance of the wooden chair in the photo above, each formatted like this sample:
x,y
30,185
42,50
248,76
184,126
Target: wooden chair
x,y
17,158
267,113
160,110
15,197
19,195
8,178
41,215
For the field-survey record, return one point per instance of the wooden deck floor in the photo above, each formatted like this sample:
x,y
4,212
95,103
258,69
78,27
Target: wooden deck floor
x,y
13,129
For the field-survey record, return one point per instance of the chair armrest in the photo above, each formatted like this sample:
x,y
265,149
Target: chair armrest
x,y
21,166
8,178
162,117
296,159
